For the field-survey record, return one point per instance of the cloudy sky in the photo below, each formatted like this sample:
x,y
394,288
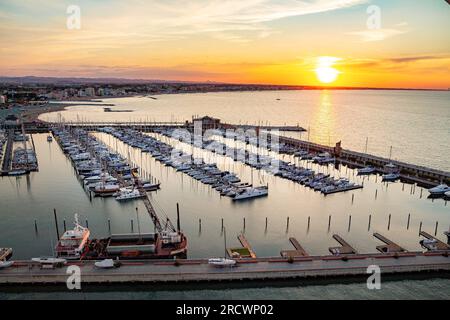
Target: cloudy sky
x,y
251,41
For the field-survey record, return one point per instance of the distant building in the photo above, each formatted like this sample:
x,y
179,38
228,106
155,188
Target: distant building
x,y
2,99
90,92
207,122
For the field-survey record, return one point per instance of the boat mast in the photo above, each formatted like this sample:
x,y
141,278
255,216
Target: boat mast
x,y
225,242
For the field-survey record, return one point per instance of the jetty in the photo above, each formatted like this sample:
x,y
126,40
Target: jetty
x,y
345,248
194,271
389,246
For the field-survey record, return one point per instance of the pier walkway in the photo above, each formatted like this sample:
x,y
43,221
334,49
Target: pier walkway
x,y
250,269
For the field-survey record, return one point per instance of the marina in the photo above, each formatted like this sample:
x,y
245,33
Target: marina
x,y
116,166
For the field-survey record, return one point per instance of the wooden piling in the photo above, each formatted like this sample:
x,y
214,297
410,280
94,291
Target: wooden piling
x,y
329,222
376,194
132,225
409,218
64,224
436,228
349,222
35,226
389,222
87,224
370,220
420,227
309,220
56,224
109,226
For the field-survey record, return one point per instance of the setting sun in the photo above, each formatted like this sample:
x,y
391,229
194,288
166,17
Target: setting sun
x,y
324,70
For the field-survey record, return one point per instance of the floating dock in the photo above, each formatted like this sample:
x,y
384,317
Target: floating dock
x,y
345,248
245,252
389,246
440,246
187,271
298,252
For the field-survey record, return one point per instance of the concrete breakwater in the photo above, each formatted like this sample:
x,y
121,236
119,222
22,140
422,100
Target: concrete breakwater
x,y
27,273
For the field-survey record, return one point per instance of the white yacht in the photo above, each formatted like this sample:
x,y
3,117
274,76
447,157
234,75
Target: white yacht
x,y
127,194
105,264
221,262
252,193
366,170
440,189
447,194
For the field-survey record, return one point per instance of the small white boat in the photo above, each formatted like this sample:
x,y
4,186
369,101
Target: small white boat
x,y
366,170
429,244
105,264
447,194
391,177
440,189
6,264
222,262
49,260
252,193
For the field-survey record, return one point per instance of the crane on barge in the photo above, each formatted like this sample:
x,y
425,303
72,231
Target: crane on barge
x,y
172,241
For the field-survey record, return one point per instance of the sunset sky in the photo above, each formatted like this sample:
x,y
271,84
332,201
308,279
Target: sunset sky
x,y
310,42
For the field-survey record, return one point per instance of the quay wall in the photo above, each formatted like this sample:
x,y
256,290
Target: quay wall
x,y
254,271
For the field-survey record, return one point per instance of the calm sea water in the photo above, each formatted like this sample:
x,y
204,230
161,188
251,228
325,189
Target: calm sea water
x,y
415,123
26,199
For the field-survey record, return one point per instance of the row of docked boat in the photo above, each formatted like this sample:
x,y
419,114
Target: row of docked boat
x,y
225,182
280,168
103,172
3,140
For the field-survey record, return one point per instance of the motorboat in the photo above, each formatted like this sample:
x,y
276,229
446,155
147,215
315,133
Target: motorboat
x,y
105,264
429,244
447,194
49,260
127,194
221,262
49,138
366,170
73,243
6,264
440,189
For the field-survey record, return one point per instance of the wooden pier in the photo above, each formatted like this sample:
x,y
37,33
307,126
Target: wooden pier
x,y
245,252
389,246
345,248
7,156
298,252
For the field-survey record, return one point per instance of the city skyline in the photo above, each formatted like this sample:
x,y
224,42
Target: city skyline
x,y
326,43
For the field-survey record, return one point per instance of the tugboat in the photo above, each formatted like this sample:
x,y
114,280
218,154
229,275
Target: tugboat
x,y
73,243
